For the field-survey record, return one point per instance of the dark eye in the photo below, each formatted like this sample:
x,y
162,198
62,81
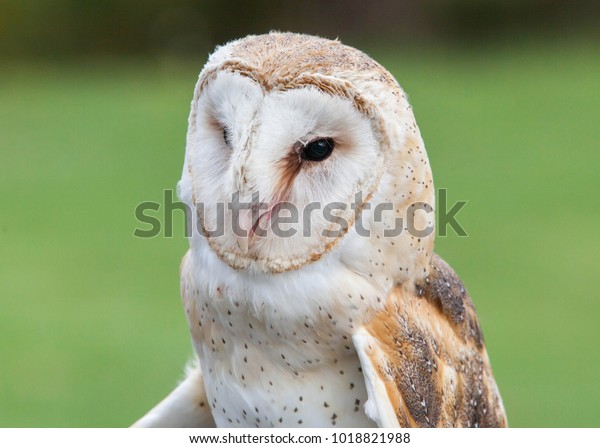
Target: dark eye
x,y
226,137
318,150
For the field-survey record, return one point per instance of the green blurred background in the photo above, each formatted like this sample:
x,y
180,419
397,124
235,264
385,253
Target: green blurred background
x,y
94,97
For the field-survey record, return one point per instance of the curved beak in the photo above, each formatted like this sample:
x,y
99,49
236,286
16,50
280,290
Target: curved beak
x,y
253,222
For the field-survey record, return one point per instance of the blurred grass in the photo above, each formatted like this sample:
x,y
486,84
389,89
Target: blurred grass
x,y
91,328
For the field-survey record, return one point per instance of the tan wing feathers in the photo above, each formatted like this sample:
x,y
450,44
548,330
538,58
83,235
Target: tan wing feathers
x,y
435,367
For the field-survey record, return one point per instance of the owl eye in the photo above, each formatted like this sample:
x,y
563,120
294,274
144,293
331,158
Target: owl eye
x,y
318,150
226,137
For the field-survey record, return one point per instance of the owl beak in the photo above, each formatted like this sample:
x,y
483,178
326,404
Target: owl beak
x,y
252,223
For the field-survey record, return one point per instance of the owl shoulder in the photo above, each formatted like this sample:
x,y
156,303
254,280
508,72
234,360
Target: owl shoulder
x,y
425,349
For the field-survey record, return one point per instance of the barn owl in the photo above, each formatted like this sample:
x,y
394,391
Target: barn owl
x,y
351,320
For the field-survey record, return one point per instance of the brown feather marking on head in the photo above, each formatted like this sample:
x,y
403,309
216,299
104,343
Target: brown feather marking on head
x,y
279,56
290,166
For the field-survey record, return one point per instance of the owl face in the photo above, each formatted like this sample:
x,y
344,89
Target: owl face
x,y
275,174
289,137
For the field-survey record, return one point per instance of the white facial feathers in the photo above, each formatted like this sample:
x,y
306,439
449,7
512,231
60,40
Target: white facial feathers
x,y
246,141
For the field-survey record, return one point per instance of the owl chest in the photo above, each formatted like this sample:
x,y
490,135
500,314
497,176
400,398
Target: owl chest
x,y
267,375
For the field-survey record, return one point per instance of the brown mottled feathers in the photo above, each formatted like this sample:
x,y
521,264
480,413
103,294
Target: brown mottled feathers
x,y
427,350
286,57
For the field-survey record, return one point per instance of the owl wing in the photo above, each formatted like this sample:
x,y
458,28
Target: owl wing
x,y
186,406
424,360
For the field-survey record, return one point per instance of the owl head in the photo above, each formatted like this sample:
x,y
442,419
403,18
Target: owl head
x,y
300,150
